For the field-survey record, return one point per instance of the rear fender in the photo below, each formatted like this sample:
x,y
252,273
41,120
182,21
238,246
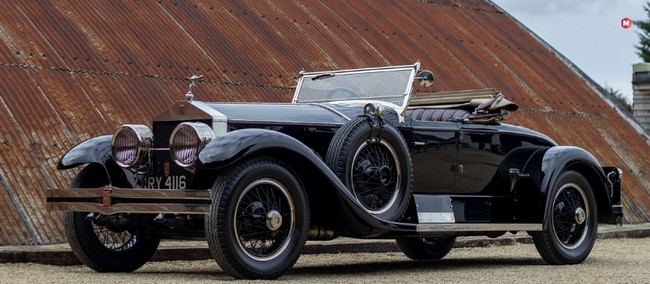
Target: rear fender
x,y
562,158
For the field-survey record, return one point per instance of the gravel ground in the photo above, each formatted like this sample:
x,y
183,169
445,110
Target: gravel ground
x,y
611,261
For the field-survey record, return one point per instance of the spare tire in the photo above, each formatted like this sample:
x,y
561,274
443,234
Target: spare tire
x,y
374,163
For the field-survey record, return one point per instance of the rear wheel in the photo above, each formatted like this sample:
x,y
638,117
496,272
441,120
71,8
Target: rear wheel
x,y
571,222
433,248
258,219
377,170
104,248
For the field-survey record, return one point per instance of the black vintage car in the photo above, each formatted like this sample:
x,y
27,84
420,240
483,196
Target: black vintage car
x,y
353,155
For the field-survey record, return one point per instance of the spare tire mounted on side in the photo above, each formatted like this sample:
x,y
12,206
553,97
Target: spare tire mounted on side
x,y
371,158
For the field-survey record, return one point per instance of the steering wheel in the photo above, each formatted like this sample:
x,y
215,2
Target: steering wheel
x,y
342,93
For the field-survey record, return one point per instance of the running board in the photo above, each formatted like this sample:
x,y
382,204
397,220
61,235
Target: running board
x,y
476,227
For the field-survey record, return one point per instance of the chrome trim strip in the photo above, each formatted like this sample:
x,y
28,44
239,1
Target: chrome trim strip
x,y
301,123
436,217
219,120
361,70
338,113
477,227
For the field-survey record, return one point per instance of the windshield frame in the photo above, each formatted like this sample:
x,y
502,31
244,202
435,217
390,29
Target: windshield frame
x,y
406,96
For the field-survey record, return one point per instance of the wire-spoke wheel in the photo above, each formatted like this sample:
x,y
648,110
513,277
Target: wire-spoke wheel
x,y
571,221
115,240
375,175
570,216
100,247
377,170
264,220
258,219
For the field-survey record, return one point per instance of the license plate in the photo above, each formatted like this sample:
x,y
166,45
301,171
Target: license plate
x,y
166,182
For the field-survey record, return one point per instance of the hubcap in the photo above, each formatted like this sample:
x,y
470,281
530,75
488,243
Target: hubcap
x,y
385,175
273,220
581,216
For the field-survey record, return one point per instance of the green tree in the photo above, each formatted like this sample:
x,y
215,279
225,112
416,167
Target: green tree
x,y
617,96
643,49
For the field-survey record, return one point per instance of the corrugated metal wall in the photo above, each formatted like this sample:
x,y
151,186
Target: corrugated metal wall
x,y
72,70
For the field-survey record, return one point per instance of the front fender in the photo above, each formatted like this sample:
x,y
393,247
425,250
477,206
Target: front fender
x,y
94,150
97,151
236,145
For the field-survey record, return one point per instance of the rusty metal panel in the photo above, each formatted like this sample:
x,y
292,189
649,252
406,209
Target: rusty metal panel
x,y
72,70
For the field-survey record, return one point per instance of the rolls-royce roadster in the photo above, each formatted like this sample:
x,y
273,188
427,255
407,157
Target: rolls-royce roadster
x,y
355,154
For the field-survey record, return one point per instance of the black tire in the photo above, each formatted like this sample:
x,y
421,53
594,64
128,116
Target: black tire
x,y
434,248
572,221
99,247
258,219
377,170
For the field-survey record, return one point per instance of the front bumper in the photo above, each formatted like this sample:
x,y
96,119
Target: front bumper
x,y
111,200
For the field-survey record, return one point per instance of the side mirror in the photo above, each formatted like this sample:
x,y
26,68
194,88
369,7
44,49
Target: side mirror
x,y
425,77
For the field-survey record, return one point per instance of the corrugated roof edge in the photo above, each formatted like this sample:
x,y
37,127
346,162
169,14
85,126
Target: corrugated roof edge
x,y
590,82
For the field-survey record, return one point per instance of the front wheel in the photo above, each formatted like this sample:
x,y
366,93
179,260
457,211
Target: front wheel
x,y
101,247
258,219
571,222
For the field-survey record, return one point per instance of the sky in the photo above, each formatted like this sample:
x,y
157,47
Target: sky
x,y
588,33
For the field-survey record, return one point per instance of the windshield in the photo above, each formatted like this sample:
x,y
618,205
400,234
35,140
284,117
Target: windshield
x,y
387,84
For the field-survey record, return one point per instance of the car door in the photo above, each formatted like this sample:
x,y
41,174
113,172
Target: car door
x,y
435,156
480,153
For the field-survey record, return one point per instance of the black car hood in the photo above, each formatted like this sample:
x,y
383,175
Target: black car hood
x,y
280,113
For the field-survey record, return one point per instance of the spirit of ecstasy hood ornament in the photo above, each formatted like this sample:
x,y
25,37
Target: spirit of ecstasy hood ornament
x,y
195,78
